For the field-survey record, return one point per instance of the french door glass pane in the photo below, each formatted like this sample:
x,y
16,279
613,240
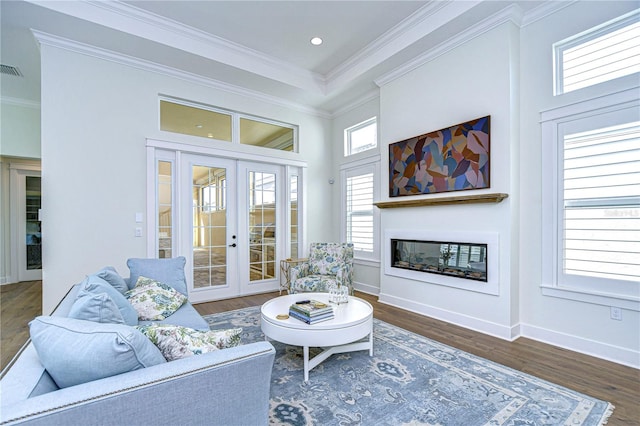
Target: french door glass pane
x,y
293,208
209,226
262,225
165,218
32,230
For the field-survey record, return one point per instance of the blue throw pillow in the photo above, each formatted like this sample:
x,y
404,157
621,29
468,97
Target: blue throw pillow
x,y
94,285
110,275
75,351
96,308
167,271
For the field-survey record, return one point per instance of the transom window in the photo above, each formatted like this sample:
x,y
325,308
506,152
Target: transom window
x,y
361,137
220,124
603,53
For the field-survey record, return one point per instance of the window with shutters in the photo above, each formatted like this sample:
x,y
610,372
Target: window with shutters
x,y
360,211
591,202
602,53
361,216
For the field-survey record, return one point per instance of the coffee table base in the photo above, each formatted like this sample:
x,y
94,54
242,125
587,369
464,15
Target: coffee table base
x,y
310,364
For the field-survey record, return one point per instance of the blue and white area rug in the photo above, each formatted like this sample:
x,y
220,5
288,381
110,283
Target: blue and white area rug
x,y
410,380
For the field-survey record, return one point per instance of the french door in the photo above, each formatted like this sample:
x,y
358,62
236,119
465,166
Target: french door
x,y
231,228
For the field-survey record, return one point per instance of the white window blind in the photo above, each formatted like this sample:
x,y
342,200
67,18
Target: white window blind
x,y
603,53
591,200
601,188
359,211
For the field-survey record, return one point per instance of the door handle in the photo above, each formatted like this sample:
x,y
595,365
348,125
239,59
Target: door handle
x,y
232,245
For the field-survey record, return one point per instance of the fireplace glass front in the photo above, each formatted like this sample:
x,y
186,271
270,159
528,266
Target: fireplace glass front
x,y
462,260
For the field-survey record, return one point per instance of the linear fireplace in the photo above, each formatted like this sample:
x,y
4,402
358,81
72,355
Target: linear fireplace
x,y
458,259
466,260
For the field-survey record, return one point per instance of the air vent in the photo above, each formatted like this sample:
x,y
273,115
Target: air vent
x,y
9,70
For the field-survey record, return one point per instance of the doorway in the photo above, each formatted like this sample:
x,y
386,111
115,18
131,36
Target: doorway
x,y
26,198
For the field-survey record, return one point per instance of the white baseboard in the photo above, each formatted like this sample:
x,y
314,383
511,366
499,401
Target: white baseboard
x,y
601,350
482,326
366,288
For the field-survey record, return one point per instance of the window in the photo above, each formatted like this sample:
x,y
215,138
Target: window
x,y
361,137
361,216
195,121
602,202
269,135
591,207
605,52
215,123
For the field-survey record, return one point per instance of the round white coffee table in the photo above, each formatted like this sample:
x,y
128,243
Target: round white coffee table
x,y
353,321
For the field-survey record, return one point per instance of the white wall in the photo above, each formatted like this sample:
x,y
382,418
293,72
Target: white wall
x,y
472,81
19,129
366,274
580,326
94,160
19,140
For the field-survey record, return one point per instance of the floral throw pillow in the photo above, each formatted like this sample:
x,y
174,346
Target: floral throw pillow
x,y
153,300
177,342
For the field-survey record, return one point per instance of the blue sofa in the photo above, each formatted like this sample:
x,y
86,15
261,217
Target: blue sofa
x,y
223,387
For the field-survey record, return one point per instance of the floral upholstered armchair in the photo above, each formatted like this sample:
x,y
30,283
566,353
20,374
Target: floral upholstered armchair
x,y
329,264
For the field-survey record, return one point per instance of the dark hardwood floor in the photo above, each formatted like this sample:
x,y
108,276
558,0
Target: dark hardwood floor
x,y
19,304
601,379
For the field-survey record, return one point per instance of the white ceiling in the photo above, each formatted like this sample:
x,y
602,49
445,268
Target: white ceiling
x,y
259,46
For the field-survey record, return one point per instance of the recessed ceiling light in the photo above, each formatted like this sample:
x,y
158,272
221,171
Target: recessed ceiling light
x,y
316,41
199,126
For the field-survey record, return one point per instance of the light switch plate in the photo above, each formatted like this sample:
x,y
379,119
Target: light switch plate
x,y
138,217
616,313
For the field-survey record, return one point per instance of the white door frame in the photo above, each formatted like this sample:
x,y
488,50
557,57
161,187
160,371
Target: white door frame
x,y
17,175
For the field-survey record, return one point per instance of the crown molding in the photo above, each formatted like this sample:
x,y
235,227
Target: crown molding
x,y
421,23
132,20
371,95
109,55
25,103
511,13
548,8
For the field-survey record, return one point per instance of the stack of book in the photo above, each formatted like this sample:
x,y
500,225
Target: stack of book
x,y
311,311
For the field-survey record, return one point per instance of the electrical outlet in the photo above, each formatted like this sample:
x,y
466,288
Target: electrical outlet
x,y
139,233
616,313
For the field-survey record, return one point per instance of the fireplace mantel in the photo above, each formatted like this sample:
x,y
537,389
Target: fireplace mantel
x,y
461,199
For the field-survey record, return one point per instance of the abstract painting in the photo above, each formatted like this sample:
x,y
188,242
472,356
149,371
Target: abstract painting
x,y
451,159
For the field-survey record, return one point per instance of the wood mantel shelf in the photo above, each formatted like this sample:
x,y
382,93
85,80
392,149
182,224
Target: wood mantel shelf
x,y
462,199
